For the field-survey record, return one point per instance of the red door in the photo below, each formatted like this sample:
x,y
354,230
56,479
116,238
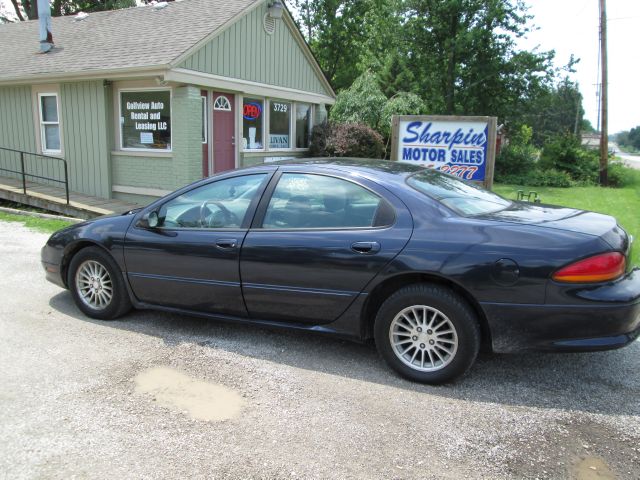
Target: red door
x,y
205,134
224,144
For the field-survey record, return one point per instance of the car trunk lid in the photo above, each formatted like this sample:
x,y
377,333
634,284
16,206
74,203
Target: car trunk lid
x,y
568,219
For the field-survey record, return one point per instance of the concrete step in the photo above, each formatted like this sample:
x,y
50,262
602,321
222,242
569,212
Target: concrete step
x,y
54,199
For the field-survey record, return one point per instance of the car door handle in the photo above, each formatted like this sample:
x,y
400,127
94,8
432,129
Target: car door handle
x,y
226,243
365,247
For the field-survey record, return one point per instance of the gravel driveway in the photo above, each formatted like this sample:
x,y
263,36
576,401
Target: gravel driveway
x,y
166,396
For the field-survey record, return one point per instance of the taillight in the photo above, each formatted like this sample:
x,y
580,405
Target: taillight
x,y
599,268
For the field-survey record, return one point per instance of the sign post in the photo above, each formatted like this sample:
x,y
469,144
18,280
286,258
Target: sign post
x,y
461,146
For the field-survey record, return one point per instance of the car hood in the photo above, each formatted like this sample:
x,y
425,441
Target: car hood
x,y
551,216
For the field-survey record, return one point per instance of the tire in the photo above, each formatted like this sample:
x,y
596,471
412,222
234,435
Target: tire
x,y
96,284
437,351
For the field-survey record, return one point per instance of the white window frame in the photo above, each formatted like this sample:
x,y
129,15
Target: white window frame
x,y
205,120
222,109
311,112
266,124
291,125
43,138
265,144
120,123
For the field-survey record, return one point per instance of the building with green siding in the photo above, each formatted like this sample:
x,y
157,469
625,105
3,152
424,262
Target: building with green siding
x,y
144,100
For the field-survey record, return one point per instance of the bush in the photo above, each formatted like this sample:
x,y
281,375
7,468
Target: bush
x,y
515,160
355,140
346,140
565,153
318,140
619,175
540,178
518,157
362,102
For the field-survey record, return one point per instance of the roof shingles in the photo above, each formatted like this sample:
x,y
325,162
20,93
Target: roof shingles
x,y
120,39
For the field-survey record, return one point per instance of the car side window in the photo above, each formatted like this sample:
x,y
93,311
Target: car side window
x,y
302,200
220,204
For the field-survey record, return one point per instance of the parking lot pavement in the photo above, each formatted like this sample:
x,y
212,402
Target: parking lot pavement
x,y
166,396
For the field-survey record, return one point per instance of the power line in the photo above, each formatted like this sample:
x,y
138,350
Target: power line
x,y
622,18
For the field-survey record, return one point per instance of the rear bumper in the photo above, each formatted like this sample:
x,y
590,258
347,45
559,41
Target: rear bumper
x,y
599,317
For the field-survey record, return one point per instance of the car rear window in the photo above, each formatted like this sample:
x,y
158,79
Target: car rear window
x,y
461,197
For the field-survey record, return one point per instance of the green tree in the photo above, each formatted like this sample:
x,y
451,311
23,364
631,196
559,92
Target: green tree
x,y
458,56
28,9
586,126
634,137
629,138
335,32
466,60
402,103
361,103
556,111
71,7
396,75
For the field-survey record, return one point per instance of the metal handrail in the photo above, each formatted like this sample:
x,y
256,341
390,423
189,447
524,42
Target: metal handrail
x,y
24,175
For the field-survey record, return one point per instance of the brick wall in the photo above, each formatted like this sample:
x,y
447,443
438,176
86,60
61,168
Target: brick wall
x,y
149,172
187,128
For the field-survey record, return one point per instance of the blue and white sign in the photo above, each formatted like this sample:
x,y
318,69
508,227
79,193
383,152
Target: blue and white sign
x,y
459,146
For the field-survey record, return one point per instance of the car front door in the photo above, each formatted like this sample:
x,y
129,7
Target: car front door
x,y
190,260
316,242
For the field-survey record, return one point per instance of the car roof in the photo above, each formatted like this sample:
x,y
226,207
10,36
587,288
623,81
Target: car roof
x,y
385,170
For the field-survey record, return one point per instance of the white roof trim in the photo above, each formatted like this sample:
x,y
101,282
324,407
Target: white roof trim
x,y
112,74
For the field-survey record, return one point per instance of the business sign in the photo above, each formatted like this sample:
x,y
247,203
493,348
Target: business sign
x,y
251,110
145,119
460,146
278,141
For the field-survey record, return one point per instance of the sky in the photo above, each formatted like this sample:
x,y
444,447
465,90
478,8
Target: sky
x,y
571,27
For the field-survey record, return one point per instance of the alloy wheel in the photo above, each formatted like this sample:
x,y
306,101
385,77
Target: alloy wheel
x,y
94,285
423,338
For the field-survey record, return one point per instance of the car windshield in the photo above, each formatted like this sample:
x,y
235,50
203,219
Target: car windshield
x,y
461,197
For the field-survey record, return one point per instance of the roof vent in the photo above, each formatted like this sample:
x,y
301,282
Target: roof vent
x,y
80,16
160,5
269,24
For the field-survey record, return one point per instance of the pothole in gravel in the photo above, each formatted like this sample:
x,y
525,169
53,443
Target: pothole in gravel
x,y
592,468
197,399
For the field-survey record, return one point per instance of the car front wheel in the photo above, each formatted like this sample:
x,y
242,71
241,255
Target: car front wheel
x,y
427,333
96,284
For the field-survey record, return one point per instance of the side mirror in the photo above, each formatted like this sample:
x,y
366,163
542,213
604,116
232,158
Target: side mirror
x,y
149,220
153,219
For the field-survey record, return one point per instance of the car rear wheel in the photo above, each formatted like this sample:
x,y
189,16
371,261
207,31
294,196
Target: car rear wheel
x,y
427,333
96,284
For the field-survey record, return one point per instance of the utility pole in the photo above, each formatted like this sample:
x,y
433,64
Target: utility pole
x,y
604,133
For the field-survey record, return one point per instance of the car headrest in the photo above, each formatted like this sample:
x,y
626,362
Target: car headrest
x,y
334,202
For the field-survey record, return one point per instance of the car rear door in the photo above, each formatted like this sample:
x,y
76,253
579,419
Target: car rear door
x,y
316,241
191,259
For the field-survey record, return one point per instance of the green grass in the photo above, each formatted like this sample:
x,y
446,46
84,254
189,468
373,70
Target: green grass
x,y
622,203
44,225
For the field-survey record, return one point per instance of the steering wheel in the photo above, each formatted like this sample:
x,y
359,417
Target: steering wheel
x,y
209,221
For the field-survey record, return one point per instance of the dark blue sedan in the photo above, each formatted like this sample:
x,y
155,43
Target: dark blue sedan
x,y
432,268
